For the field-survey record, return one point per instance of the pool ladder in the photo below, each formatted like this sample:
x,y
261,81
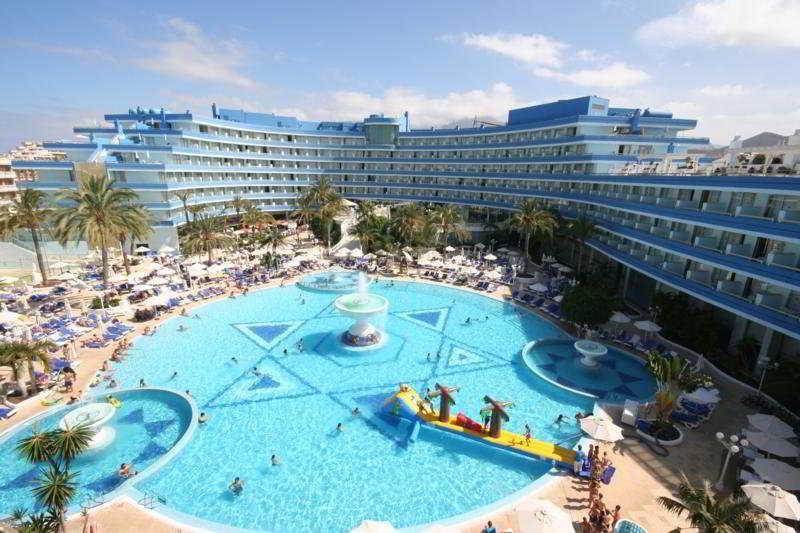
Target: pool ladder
x,y
151,499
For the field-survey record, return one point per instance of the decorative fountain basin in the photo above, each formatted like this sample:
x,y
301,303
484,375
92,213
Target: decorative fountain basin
x,y
93,416
362,306
590,351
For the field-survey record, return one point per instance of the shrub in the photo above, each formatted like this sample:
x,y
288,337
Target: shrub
x,y
107,302
143,315
587,305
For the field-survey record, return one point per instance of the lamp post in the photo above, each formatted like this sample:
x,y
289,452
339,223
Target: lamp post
x,y
732,446
770,365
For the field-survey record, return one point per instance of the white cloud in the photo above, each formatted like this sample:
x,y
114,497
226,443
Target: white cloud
x,y
193,55
546,57
760,23
726,90
615,75
531,49
77,52
425,110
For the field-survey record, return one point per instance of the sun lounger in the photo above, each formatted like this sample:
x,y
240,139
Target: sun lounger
x,y
627,526
6,412
607,474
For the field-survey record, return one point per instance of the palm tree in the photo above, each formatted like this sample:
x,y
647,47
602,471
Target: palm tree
x,y
709,513
28,211
581,229
99,213
184,196
240,205
59,447
328,211
137,228
303,213
254,217
449,221
408,222
532,219
365,210
16,354
327,202
372,233
205,234
673,376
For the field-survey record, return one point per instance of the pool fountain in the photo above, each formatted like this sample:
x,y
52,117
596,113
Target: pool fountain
x,y
93,416
365,308
590,352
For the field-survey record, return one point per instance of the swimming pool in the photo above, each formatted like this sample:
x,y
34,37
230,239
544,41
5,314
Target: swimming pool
x,y
616,377
147,425
331,481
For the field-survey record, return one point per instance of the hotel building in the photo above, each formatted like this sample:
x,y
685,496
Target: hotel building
x,y
667,219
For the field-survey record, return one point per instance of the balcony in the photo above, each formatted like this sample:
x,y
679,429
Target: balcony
x,y
710,243
750,211
789,215
673,267
654,259
699,275
742,250
782,259
680,236
716,207
734,288
688,204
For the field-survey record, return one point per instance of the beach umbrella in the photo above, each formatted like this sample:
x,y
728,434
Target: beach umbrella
x,y
490,257
196,269
60,265
703,395
777,472
142,287
370,256
647,325
158,281
166,271
538,287
513,253
620,318
771,444
493,274
601,428
771,424
65,276
141,249
480,246
449,249
341,253
7,280
774,526
564,269
117,278
558,298
541,516
165,249
215,269
357,252
502,250
773,500
457,258
382,253
373,526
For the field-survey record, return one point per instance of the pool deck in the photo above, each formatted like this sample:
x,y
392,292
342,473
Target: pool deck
x,y
641,475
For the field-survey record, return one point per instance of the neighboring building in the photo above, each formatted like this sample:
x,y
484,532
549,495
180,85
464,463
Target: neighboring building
x,y
732,242
742,157
28,150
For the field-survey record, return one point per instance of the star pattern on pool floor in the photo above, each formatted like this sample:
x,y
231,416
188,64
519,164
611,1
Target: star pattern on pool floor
x,y
268,334
434,319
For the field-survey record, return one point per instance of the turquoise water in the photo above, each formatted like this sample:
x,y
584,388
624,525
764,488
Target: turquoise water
x,y
331,481
616,377
333,280
147,425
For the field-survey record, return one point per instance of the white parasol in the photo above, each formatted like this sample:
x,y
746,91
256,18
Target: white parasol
x,y
773,500
600,428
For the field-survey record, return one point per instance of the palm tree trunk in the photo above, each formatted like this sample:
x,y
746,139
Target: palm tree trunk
x,y
104,257
328,237
32,377
580,255
527,245
186,210
37,247
20,381
125,260
210,256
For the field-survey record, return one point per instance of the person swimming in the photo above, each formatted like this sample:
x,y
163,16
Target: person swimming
x,y
174,375
189,394
256,372
182,328
560,420
275,460
285,351
355,411
142,383
339,427
468,321
234,360
126,470
236,486
203,418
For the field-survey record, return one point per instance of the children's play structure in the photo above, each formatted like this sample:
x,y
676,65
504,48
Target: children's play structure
x,y
408,404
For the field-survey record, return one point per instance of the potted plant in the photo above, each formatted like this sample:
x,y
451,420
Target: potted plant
x,y
673,376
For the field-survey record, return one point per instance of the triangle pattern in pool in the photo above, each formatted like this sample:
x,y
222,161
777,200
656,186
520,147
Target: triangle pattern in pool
x,y
268,334
460,356
429,318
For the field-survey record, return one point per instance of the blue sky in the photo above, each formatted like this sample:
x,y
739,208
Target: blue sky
x,y
726,62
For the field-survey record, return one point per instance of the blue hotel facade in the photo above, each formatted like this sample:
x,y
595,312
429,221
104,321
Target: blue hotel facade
x,y
732,242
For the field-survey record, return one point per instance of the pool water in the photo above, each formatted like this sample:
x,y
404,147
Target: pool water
x,y
147,425
332,481
616,377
